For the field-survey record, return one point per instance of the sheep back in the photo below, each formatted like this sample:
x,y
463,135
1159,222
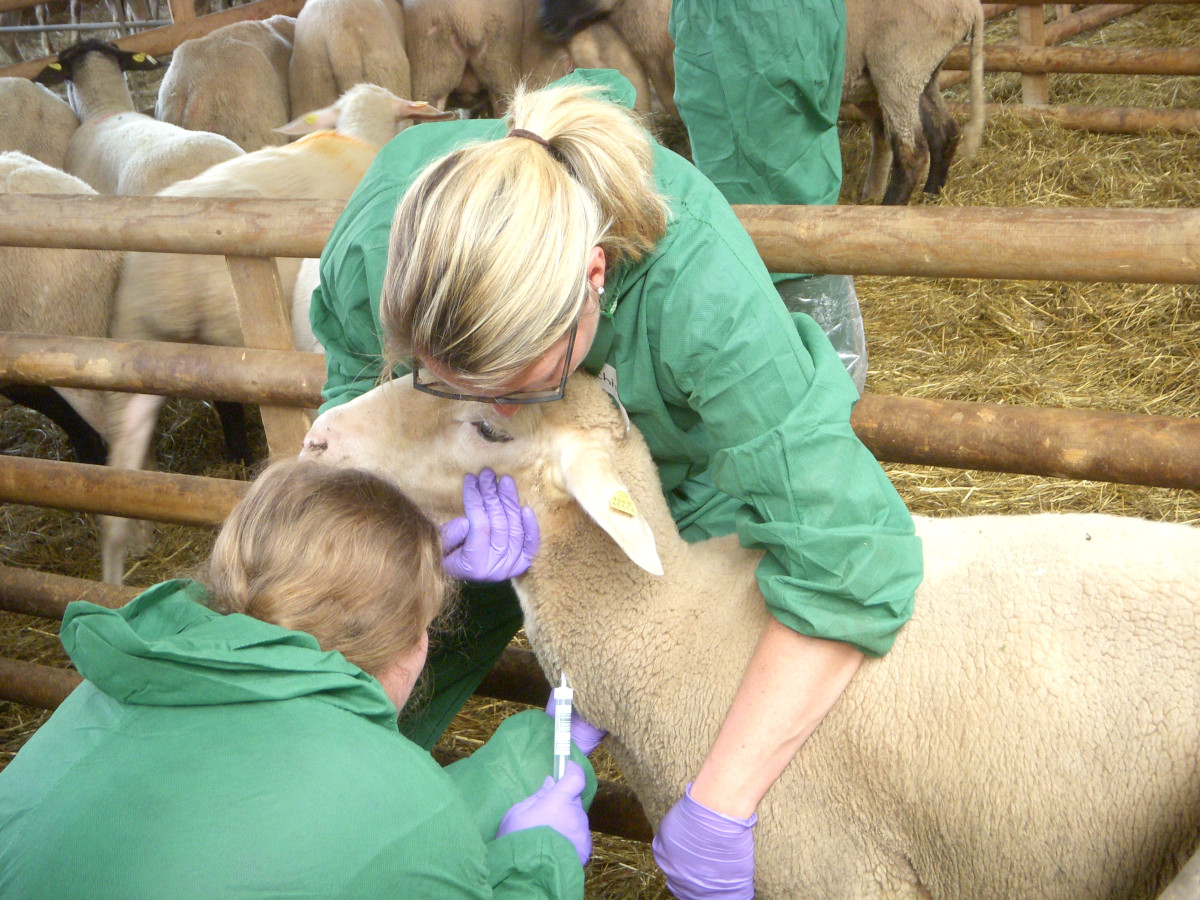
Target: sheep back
x,y
51,291
36,121
232,82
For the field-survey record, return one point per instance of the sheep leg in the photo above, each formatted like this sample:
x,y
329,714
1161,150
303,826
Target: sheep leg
x,y
233,427
134,416
881,155
910,156
942,134
85,440
910,150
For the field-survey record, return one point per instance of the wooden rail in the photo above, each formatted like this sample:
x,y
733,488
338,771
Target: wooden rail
x,y
1117,245
1091,60
1158,451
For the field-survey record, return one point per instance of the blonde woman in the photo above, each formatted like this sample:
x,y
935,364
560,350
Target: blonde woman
x,y
496,257
241,741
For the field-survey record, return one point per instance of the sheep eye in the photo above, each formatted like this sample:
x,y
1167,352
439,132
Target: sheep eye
x,y
490,432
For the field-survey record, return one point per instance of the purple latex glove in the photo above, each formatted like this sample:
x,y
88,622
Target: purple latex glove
x,y
556,804
584,734
496,539
705,853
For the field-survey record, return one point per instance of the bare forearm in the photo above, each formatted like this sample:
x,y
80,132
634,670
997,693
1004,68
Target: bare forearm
x,y
792,681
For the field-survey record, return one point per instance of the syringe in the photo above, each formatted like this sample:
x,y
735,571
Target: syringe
x,y
563,696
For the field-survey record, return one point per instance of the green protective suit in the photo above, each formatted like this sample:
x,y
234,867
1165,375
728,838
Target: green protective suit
x,y
759,84
745,407
210,756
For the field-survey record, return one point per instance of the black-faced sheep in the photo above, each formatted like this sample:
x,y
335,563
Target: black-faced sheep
x,y
1034,731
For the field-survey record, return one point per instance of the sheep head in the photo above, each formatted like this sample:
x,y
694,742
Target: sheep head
x,y
64,68
563,456
369,113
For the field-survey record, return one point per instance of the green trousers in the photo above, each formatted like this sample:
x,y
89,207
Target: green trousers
x,y
758,84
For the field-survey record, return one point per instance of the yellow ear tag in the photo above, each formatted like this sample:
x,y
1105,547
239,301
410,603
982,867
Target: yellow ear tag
x,y
623,503
419,104
56,66
139,57
310,119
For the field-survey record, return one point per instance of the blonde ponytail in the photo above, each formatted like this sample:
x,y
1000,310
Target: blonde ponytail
x,y
489,246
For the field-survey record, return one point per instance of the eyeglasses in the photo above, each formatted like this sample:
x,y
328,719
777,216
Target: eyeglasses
x,y
425,381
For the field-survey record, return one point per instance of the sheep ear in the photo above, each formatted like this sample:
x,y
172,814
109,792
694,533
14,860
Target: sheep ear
x,y
54,73
419,111
591,479
317,120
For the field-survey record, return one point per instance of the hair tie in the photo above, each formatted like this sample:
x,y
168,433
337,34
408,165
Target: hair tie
x,y
536,138
557,154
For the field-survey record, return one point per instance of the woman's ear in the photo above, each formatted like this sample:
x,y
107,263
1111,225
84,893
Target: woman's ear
x,y
596,269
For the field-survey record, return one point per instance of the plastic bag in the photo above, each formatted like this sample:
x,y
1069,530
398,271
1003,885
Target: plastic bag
x,y
832,302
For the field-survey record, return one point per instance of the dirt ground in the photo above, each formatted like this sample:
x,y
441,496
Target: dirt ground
x,y
1131,348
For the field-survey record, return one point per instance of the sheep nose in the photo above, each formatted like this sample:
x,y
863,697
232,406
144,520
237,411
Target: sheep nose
x,y
313,446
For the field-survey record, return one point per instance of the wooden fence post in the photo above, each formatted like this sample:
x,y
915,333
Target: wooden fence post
x,y
266,325
1031,25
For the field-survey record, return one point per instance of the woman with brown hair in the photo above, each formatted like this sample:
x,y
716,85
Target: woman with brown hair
x,y
241,740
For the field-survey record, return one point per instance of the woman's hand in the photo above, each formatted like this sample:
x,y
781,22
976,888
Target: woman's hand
x,y
705,853
557,805
496,539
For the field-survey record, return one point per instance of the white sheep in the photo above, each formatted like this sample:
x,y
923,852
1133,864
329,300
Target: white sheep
x,y
642,25
341,43
115,149
478,49
36,121
233,82
1034,732
62,292
189,298
894,52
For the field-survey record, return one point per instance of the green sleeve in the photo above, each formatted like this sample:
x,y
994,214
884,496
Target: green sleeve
x,y
344,311
510,766
535,862
842,561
